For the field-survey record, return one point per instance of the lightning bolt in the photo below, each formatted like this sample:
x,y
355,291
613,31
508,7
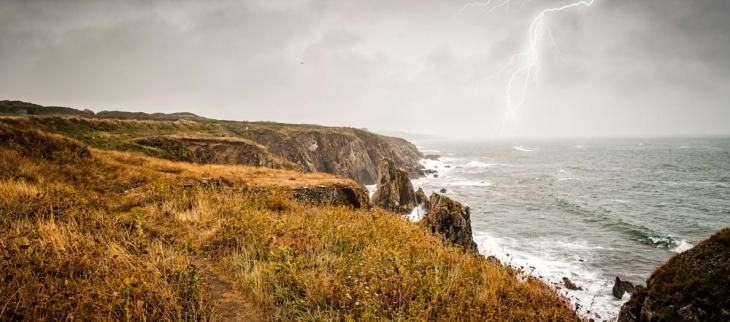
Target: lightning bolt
x,y
526,69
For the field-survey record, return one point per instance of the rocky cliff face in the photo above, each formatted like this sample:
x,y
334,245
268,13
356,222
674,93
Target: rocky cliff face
x,y
217,151
335,195
347,152
394,190
450,219
691,286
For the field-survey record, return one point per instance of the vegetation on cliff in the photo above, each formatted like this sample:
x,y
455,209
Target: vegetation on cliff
x,y
691,286
105,235
348,152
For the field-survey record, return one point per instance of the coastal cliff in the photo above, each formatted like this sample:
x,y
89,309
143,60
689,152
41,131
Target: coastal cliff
x,y
348,152
112,235
216,151
691,286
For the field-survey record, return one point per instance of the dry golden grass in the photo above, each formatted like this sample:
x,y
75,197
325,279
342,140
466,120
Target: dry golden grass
x,y
99,235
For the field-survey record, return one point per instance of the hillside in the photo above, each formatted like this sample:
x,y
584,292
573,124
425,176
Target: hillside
x,y
348,152
691,286
94,234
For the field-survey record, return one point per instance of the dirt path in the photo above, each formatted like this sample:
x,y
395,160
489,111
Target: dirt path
x,y
231,305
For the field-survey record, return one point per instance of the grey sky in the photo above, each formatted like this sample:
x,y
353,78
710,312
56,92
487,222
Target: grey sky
x,y
621,67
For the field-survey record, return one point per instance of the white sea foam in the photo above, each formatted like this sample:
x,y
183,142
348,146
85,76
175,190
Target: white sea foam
x,y
523,148
428,151
682,246
417,213
478,164
467,183
546,259
371,190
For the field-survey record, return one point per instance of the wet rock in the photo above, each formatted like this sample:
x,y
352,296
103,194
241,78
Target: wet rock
x,y
570,285
394,190
421,199
443,190
620,287
436,175
434,157
450,219
691,286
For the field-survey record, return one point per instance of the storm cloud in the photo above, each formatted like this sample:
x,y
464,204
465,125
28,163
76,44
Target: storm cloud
x,y
621,67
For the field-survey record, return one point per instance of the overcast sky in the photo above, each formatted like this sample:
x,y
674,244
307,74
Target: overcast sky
x,y
621,67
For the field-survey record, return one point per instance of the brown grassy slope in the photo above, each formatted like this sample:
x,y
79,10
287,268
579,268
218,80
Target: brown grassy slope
x,y
347,152
98,235
691,286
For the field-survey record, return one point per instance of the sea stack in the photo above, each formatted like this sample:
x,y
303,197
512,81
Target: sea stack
x,y
421,199
394,190
450,219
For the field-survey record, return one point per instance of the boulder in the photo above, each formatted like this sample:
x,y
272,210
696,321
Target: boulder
x,y
570,285
450,219
443,190
394,190
620,287
691,286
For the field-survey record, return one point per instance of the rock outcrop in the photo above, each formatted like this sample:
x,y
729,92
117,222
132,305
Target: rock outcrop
x,y
394,190
351,153
620,287
422,200
337,195
347,152
691,286
216,151
450,219
570,285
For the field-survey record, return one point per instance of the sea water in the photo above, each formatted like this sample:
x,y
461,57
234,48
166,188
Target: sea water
x,y
589,210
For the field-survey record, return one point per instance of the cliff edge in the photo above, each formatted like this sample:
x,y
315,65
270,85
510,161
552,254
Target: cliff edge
x,y
348,152
691,286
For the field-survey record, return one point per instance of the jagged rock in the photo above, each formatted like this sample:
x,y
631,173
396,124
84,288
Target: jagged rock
x,y
336,195
570,285
450,219
348,152
691,286
620,287
421,199
394,190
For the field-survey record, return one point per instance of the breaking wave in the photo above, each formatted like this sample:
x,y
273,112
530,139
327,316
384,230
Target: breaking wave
x,y
523,149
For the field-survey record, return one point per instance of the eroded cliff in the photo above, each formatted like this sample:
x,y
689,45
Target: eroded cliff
x,y
348,152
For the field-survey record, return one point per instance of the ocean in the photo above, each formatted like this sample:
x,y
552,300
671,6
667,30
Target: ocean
x,y
588,210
